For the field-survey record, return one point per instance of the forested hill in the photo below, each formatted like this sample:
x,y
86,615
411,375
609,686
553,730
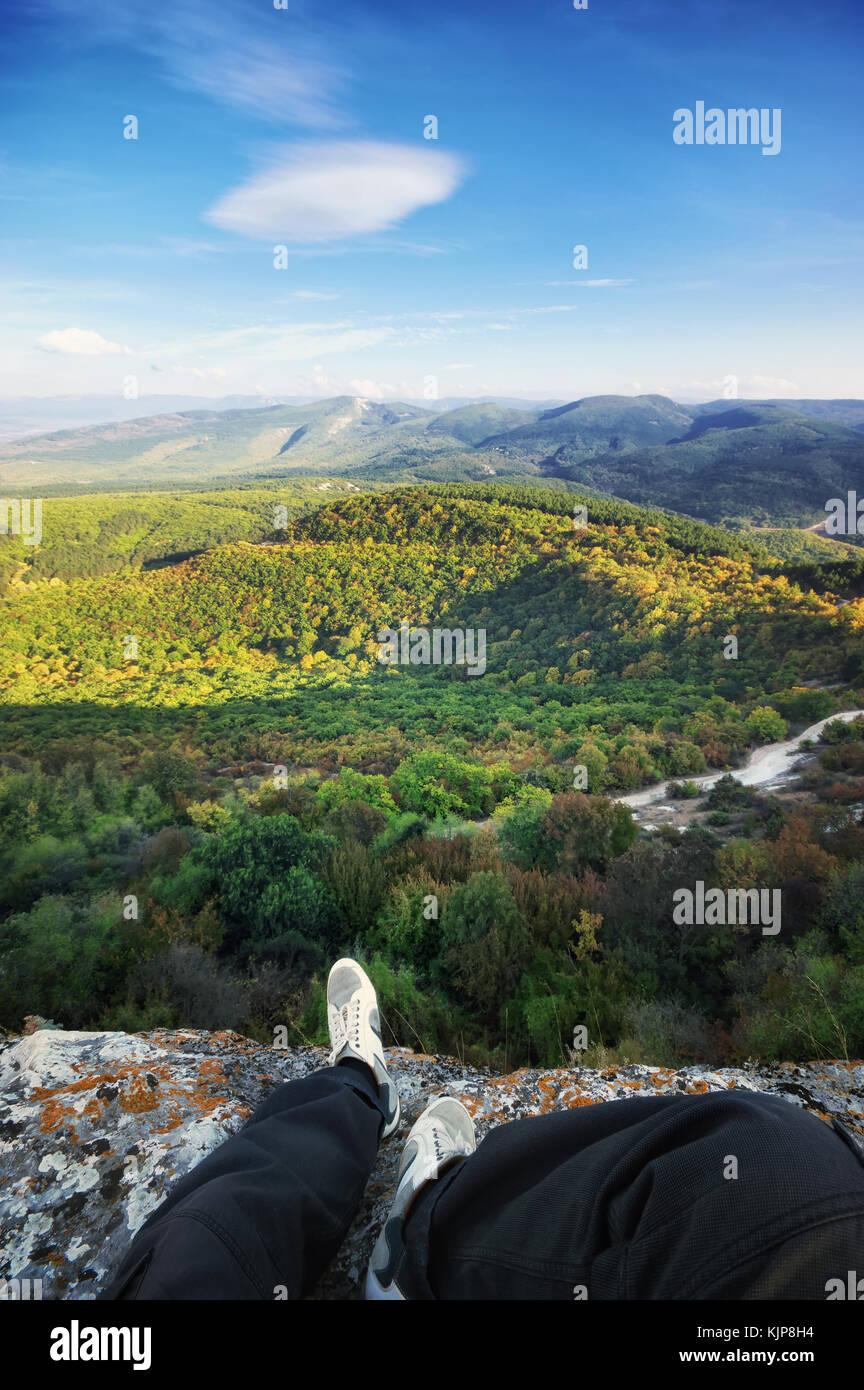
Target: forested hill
x,y
759,465
216,744
614,633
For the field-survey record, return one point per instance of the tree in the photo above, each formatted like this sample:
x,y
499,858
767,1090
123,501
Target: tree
x,y
584,832
357,786
273,901
485,945
439,784
518,821
169,772
765,725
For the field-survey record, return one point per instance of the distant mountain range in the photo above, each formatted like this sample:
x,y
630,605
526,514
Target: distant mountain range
x,y
741,461
21,416
34,415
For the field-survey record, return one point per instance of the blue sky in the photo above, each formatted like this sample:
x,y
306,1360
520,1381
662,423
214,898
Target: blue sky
x,y
416,265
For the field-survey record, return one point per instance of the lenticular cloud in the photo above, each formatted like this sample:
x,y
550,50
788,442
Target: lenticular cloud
x,y
341,189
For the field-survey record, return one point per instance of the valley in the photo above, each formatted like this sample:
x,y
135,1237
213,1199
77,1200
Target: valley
x,y
208,776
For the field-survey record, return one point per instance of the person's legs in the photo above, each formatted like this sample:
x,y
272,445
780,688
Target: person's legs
x,y
263,1215
441,1136
724,1195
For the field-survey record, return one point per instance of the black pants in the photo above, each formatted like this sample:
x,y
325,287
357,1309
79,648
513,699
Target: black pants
x,y
731,1194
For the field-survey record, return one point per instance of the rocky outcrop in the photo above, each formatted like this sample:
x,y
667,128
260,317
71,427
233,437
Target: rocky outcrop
x,y
95,1128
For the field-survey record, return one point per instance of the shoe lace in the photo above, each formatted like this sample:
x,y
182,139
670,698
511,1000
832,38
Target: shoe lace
x,y
439,1144
348,1022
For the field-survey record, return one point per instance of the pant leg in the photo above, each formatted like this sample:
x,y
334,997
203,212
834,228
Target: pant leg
x,y
263,1215
639,1199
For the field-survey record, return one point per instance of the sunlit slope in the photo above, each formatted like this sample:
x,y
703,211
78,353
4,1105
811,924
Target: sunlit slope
x,y
623,622
108,532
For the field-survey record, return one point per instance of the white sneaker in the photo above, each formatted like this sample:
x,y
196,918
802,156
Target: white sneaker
x,y
444,1131
355,1030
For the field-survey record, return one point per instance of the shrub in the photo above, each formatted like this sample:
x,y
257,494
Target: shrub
x,y
799,1003
730,795
357,786
61,959
208,815
191,989
584,832
169,773
766,725
438,784
668,1033
358,882
517,822
357,821
406,931
485,945
682,791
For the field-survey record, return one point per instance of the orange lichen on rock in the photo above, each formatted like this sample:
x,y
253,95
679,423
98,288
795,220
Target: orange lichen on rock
x,y
55,1116
171,1096
471,1103
211,1070
138,1097
548,1091
176,1118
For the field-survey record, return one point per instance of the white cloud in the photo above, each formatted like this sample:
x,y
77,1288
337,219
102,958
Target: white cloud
x,y
291,342
318,380
81,342
551,309
389,390
332,191
775,385
590,284
278,64
749,388
365,386
201,373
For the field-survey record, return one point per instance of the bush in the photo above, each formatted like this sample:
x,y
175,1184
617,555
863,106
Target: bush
x,y
62,960
357,786
584,832
169,773
438,784
683,757
485,945
406,932
682,791
549,904
358,882
765,725
410,1015
517,822
730,795
266,874
668,1033
208,815
357,821
802,1004
186,988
